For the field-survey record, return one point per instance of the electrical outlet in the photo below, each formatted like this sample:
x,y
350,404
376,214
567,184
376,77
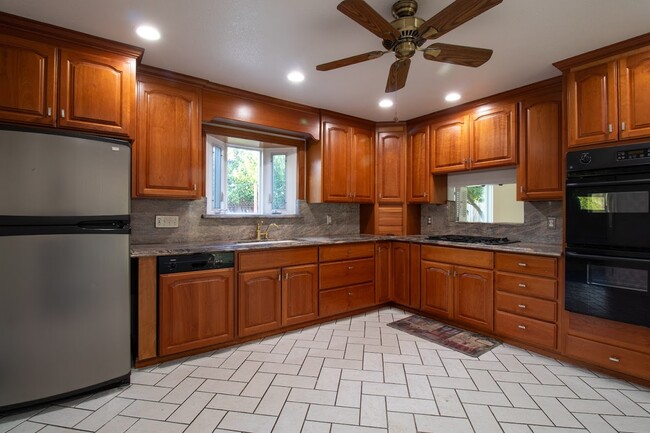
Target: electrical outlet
x,y
550,222
329,220
166,221
429,220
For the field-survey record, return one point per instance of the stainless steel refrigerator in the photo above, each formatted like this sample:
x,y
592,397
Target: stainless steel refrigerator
x,y
64,265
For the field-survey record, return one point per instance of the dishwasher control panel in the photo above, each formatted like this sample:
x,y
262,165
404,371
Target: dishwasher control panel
x,y
195,262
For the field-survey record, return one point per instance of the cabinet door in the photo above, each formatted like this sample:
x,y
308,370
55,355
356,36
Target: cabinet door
x,y
390,167
437,289
414,276
539,176
168,148
27,90
474,297
97,91
196,310
400,273
634,95
418,176
450,144
362,173
382,272
593,112
336,163
259,301
494,136
299,294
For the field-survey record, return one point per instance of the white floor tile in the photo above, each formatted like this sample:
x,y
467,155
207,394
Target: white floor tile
x,y
104,414
234,402
246,422
150,410
191,408
349,394
333,414
401,423
373,411
150,426
119,424
438,424
61,416
291,418
206,421
273,401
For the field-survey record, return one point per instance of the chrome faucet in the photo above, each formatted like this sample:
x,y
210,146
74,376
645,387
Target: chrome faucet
x,y
260,234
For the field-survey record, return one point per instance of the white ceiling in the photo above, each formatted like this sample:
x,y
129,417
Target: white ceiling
x,y
253,44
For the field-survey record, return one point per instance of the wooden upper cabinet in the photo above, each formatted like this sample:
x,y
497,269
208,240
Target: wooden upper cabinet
x,y
167,150
634,95
418,176
493,136
348,165
362,165
592,104
390,167
27,87
96,91
336,162
539,176
450,144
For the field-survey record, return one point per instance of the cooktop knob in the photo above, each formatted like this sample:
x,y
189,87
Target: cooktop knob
x,y
585,158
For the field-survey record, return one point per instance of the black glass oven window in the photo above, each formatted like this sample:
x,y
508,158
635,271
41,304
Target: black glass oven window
x,y
614,202
616,277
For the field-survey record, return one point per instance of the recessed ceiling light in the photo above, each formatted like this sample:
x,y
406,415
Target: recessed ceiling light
x,y
452,97
296,77
385,103
147,32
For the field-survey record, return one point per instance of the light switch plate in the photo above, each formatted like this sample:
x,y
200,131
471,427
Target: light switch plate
x,y
166,221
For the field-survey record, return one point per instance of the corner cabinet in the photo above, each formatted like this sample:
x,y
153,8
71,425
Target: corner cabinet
x,y
167,150
77,88
347,163
609,100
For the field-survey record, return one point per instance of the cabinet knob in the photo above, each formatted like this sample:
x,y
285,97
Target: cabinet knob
x,y
349,293
279,277
350,268
610,128
614,359
379,195
522,306
521,327
622,126
62,113
426,193
49,111
522,264
286,276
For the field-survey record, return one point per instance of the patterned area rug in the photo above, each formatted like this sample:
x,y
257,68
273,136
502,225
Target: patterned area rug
x,y
469,343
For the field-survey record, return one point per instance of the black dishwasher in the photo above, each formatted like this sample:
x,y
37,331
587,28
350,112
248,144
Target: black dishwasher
x,y
195,262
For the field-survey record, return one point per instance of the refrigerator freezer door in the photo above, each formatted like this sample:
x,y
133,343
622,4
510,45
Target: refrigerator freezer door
x,y
54,175
64,314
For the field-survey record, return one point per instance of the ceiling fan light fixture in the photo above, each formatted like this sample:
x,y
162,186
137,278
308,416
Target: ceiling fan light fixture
x,y
386,103
147,32
452,97
296,77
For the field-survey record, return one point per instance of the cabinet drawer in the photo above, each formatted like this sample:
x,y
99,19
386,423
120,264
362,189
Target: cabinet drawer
x,y
525,285
526,306
269,259
526,264
615,358
458,256
527,330
337,301
347,273
331,253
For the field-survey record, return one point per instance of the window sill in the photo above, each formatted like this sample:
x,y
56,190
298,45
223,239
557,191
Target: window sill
x,y
256,216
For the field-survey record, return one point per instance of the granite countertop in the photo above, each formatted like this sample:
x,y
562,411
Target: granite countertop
x,y
144,250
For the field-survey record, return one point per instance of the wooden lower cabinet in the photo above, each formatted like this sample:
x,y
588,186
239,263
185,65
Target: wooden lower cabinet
x,y
299,294
401,290
196,310
259,301
473,297
382,272
336,301
531,331
437,286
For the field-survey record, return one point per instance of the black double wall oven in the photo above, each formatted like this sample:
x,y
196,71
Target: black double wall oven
x,y
607,272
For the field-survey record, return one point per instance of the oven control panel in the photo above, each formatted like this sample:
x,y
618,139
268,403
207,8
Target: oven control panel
x,y
623,155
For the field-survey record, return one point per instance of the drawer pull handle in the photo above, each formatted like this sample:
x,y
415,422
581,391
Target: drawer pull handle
x,y
522,306
521,327
614,359
522,264
350,268
349,293
522,285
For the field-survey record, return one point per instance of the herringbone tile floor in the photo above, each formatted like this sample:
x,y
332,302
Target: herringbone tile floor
x,y
353,376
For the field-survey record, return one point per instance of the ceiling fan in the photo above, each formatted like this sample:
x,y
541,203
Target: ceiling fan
x,y
407,33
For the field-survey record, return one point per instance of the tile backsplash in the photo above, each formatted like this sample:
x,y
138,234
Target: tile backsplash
x,y
193,227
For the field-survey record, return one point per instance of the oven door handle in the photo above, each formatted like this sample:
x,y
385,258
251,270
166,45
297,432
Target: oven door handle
x,y
612,258
609,183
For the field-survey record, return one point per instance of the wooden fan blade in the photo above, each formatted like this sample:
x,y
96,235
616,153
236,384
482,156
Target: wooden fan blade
x,y
350,60
399,70
366,16
457,54
452,16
